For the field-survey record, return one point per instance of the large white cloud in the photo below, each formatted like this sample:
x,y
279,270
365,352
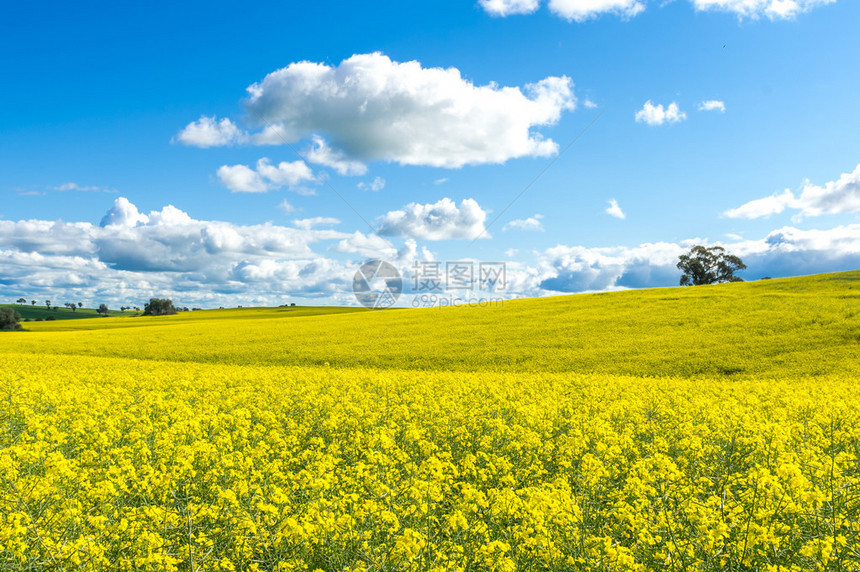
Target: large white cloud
x,y
835,197
442,220
371,108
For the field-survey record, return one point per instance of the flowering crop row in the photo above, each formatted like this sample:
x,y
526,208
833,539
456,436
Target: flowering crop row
x,y
117,464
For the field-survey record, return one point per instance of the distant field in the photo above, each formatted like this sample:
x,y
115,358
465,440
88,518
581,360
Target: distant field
x,y
796,327
36,312
710,428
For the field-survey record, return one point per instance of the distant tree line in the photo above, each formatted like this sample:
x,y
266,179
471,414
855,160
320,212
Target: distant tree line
x,y
155,307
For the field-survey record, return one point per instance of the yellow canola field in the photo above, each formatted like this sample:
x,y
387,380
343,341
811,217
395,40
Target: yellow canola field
x,y
786,328
120,464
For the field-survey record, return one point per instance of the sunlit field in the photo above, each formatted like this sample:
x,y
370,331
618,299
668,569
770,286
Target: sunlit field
x,y
707,428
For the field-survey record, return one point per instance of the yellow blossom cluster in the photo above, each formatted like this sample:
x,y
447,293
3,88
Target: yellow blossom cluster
x,y
119,464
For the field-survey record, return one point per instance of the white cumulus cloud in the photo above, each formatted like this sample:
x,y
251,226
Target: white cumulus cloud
x,y
658,115
132,256
442,220
372,108
241,179
244,179
209,132
835,197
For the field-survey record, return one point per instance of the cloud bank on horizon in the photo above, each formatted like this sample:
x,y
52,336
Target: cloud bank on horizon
x,y
131,256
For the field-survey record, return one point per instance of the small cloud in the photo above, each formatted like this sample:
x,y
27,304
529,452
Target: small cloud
x,y
207,132
531,223
76,187
658,115
713,105
442,220
285,206
243,179
589,104
511,252
73,187
309,223
763,207
376,184
734,236
614,210
502,8
582,10
441,181
367,245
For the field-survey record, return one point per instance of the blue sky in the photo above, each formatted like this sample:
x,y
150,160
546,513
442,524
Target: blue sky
x,y
144,112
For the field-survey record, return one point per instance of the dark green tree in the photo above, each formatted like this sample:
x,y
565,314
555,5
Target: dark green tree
x,y
9,319
103,309
712,265
159,307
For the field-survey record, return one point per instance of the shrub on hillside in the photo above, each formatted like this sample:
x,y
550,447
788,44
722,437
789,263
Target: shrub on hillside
x,y
159,307
9,319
